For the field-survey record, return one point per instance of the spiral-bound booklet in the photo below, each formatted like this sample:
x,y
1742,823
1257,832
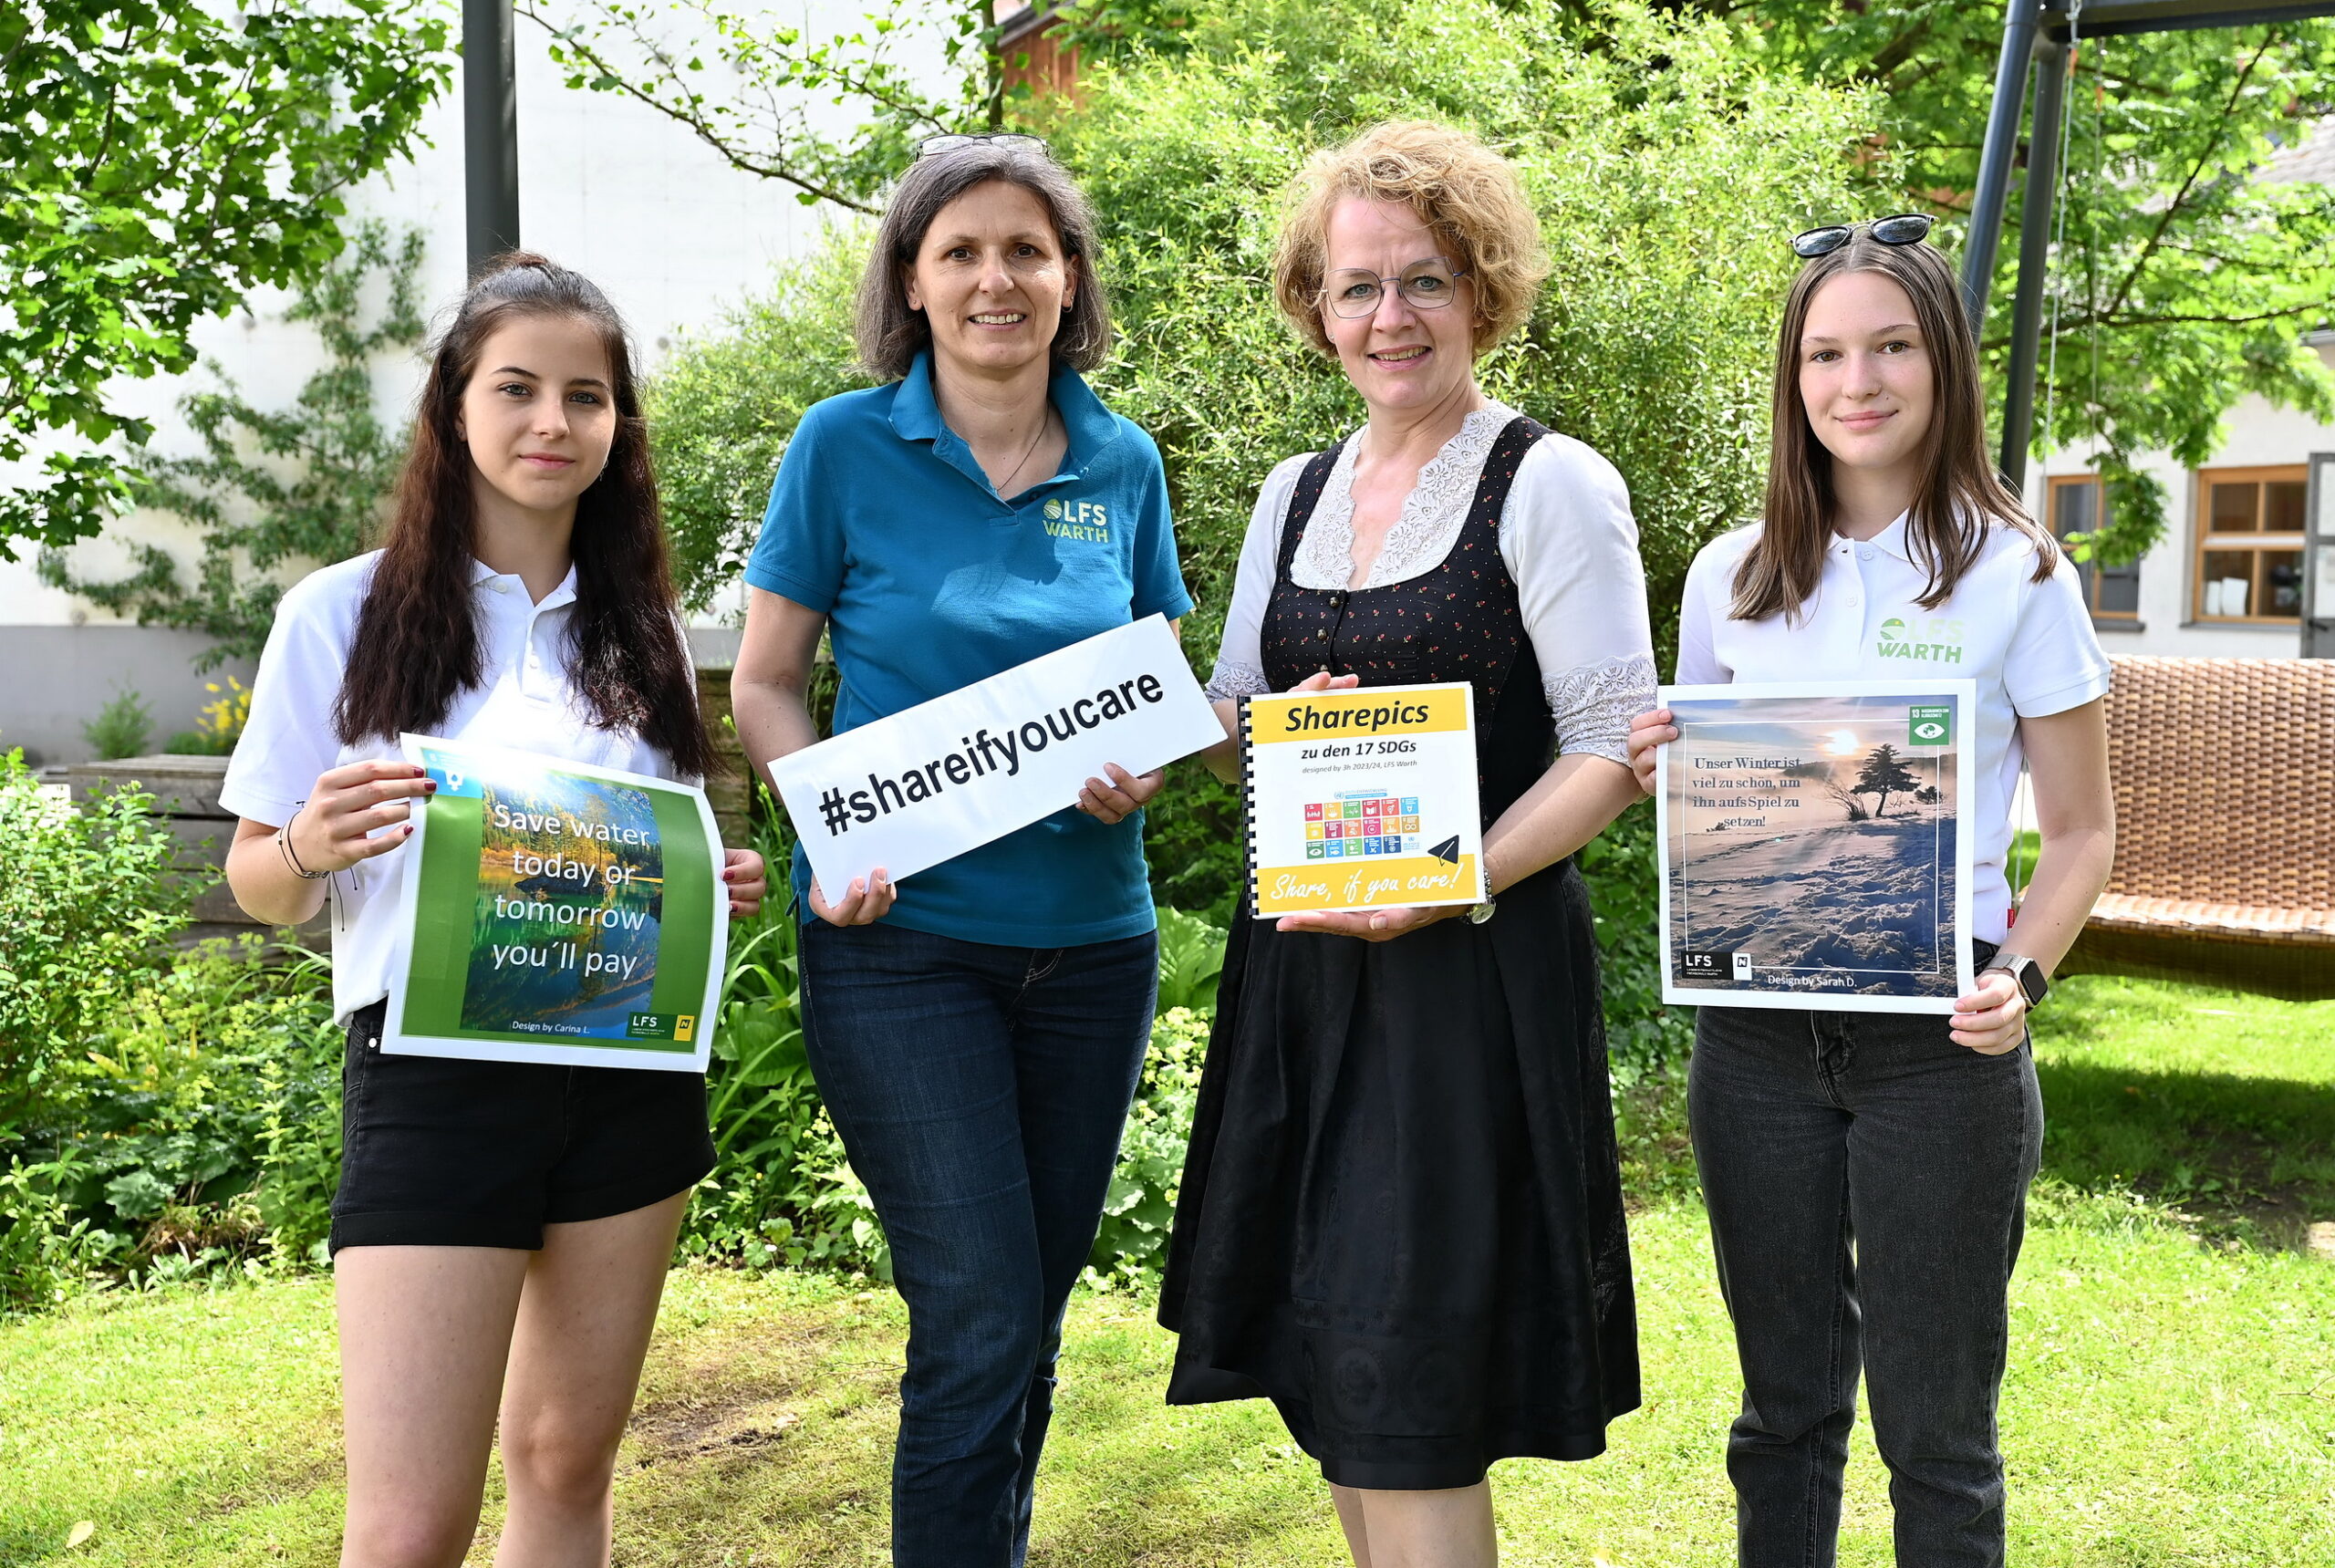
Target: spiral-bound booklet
x,y
1363,800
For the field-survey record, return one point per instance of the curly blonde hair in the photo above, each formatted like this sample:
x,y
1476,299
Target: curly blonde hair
x,y
1467,194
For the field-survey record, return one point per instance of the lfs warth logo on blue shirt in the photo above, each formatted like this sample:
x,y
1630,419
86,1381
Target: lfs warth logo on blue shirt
x,y
1084,520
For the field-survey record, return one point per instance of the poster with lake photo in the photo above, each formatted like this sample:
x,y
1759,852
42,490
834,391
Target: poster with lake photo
x,y
559,913
1812,851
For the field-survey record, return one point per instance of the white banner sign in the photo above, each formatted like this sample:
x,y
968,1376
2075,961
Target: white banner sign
x,y
933,781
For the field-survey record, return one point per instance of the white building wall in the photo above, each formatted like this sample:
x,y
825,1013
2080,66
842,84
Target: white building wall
x,y
2258,436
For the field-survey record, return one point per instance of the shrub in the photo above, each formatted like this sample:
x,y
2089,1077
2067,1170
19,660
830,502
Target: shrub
x,y
781,1192
1131,1246
1625,896
1668,172
120,727
88,897
203,1120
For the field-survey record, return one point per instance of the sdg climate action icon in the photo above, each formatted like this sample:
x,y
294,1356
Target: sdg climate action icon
x,y
559,913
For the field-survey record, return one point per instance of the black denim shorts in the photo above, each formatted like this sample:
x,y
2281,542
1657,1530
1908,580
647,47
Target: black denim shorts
x,y
437,1152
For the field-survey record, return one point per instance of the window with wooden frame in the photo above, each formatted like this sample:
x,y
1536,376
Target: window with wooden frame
x,y
2079,505
2249,538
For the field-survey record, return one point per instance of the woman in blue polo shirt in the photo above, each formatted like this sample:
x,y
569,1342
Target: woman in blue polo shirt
x,y
977,1031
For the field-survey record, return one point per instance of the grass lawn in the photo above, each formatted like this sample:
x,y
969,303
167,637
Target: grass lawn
x,y
2170,1400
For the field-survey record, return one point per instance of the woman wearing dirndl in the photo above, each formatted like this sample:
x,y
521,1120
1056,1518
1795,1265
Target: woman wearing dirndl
x,y
1401,1217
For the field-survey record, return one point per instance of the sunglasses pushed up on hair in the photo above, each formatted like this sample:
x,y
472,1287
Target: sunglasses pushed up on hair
x,y
1900,229
1004,141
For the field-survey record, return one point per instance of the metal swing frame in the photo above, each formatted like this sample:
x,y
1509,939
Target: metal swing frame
x,y
2037,35
2226,909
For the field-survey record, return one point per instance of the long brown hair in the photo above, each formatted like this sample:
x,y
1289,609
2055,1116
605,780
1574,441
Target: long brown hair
x,y
1960,495
417,646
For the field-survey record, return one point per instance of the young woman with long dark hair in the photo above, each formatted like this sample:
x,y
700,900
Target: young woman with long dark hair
x,y
501,1231
1866,1173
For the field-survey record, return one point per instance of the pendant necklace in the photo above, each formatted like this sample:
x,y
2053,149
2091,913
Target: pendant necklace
x,y
1043,421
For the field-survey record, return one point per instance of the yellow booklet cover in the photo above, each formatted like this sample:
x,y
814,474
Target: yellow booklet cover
x,y
1363,800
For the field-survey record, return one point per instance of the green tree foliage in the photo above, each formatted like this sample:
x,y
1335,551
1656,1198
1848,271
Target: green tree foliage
x,y
753,93
721,413
1885,773
304,485
2183,280
164,159
1667,171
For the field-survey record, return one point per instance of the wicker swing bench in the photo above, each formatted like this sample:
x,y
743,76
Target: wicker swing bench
x,y
2223,771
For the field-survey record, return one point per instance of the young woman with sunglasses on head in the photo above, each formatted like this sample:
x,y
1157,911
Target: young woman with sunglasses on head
x,y
978,1028
1866,1173
501,1231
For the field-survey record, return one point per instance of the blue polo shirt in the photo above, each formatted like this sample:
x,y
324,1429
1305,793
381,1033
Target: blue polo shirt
x,y
881,520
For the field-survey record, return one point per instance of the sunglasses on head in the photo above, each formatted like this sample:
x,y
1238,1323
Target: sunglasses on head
x,y
1903,229
1006,140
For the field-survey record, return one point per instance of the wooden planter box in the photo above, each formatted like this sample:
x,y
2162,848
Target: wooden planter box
x,y
186,800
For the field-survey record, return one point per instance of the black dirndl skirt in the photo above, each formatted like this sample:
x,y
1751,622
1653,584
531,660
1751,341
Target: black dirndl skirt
x,y
1401,1215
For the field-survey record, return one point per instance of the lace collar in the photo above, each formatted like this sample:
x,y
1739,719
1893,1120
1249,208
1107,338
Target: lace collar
x,y
1430,522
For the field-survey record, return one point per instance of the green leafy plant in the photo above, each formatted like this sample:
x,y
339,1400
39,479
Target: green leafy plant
x,y
1191,956
781,1192
47,1249
204,1115
88,897
1140,1208
298,488
757,107
180,156
2188,269
120,727
1643,1036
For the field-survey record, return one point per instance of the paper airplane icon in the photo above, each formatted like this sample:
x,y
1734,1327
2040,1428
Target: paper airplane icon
x,y
1448,850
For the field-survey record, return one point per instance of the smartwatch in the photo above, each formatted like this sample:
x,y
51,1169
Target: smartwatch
x,y
2026,973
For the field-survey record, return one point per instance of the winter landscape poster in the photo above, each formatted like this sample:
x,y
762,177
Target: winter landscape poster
x,y
1812,851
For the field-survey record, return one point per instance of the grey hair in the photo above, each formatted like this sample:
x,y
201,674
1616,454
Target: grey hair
x,y
890,336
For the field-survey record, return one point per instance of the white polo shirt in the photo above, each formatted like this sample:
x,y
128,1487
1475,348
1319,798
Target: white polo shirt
x,y
523,700
2028,647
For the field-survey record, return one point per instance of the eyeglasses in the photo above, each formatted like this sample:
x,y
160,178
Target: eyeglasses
x,y
1903,229
1004,141
1354,292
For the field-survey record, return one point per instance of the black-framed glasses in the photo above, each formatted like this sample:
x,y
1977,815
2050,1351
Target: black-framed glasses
x,y
1008,140
1353,291
1900,229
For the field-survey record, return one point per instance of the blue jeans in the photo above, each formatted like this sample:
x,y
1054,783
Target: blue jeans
x,y
981,1092
1866,1179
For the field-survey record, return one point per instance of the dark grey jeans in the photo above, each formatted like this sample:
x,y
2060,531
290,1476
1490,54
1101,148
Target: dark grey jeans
x,y
1866,1179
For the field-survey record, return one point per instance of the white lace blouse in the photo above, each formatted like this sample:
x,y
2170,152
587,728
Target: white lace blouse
x,y
1566,536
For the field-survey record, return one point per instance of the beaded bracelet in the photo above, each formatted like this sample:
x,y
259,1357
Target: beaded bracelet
x,y
292,855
